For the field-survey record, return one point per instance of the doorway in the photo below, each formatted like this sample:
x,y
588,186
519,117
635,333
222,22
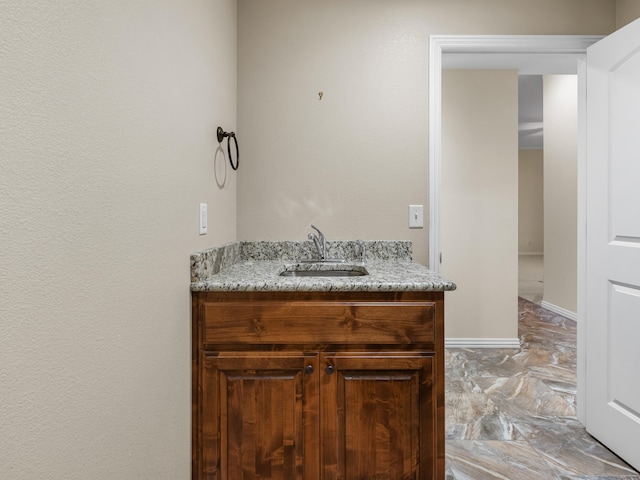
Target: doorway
x,y
533,54
539,54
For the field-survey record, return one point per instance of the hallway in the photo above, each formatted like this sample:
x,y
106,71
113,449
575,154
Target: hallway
x,y
531,277
511,413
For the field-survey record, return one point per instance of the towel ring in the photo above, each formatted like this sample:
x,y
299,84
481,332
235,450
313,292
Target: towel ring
x,y
221,134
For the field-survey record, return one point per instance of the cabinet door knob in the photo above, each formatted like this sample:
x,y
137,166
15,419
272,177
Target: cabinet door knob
x,y
330,369
308,369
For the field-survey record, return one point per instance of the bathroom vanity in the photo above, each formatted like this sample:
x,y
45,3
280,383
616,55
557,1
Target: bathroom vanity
x,y
317,376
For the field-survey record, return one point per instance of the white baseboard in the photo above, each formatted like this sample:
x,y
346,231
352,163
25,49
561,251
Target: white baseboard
x,y
530,253
482,343
559,310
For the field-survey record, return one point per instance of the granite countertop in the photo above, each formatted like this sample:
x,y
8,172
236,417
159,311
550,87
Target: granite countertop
x,y
255,266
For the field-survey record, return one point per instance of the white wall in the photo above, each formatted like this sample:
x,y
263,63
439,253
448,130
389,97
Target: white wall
x,y
108,114
479,202
560,190
352,162
530,201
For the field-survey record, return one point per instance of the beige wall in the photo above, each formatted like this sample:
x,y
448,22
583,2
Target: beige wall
x,y
479,202
108,114
530,201
626,12
560,190
352,162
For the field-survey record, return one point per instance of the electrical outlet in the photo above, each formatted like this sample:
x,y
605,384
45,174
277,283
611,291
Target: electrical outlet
x,y
416,216
203,219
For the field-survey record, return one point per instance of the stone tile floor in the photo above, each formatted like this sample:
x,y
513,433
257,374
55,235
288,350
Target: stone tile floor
x,y
511,414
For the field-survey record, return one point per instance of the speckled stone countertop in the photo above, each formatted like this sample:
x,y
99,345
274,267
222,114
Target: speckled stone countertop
x,y
256,266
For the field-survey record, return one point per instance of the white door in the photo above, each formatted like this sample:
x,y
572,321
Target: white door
x,y
612,315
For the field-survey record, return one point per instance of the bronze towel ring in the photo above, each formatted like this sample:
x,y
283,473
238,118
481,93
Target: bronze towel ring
x,y
229,135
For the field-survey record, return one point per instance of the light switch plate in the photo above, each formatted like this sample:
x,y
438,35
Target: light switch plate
x,y
203,219
416,216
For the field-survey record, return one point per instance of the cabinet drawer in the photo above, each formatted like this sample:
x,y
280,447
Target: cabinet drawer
x,y
308,322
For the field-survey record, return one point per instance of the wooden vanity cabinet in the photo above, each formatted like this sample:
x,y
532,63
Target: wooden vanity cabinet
x,y
331,386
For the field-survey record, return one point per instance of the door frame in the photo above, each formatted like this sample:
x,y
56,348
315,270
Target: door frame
x,y
539,47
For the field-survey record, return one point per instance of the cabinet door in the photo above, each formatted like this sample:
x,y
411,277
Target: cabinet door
x,y
260,416
378,416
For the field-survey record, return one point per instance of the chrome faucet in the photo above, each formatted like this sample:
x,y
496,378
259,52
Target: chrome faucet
x,y
320,242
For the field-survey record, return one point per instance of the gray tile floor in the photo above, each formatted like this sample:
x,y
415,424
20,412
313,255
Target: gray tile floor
x,y
511,414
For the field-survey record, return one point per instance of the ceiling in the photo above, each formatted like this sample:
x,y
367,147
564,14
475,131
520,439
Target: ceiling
x,y
530,68
530,130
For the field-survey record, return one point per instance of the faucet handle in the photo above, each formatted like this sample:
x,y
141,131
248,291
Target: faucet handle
x,y
320,235
320,242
